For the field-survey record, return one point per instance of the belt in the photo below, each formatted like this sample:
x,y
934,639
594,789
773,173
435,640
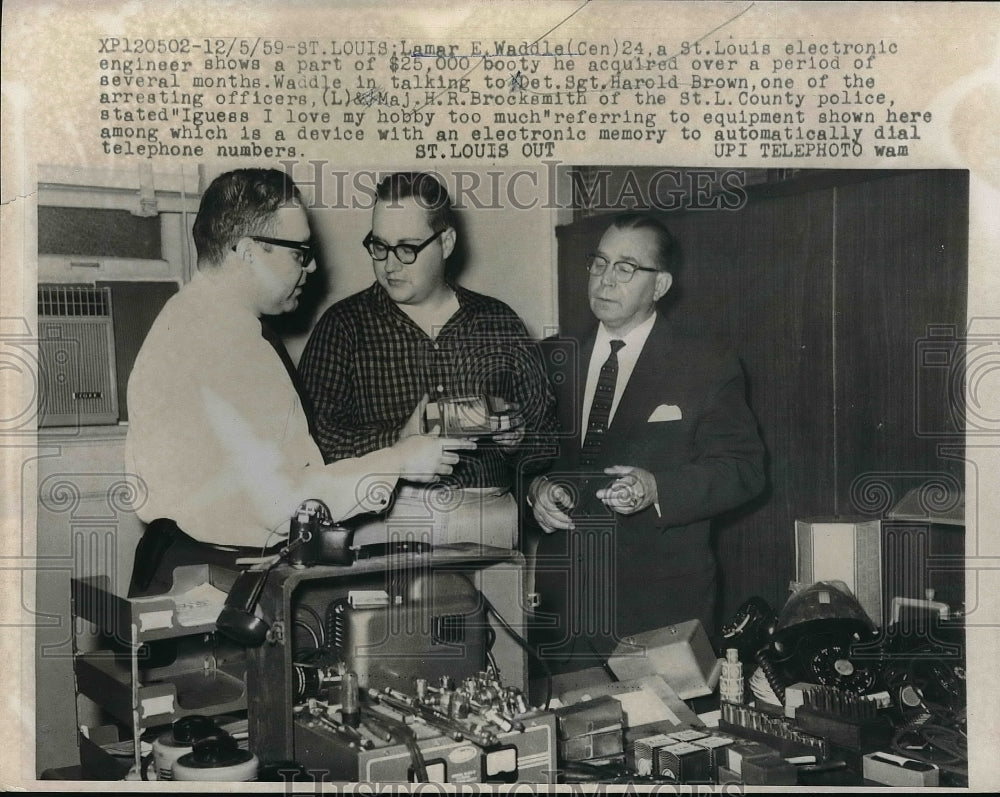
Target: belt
x,y
252,550
169,531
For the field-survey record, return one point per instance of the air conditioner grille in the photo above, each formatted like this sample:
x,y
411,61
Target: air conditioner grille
x,y
62,301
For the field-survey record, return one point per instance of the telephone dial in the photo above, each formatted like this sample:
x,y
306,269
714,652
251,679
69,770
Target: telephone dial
x,y
821,651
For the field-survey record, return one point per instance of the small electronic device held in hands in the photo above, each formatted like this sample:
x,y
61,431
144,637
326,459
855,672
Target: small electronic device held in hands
x,y
471,416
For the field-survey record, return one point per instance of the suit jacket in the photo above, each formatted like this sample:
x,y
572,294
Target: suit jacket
x,y
616,574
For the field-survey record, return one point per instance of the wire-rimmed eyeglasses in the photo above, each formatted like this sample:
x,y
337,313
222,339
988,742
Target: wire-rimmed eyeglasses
x,y
622,269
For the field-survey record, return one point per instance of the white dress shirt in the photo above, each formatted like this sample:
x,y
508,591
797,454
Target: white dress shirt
x,y
217,437
628,355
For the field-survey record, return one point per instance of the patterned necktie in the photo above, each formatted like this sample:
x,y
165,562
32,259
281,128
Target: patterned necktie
x,y
600,409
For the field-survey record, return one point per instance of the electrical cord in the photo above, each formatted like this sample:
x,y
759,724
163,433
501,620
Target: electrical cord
x,y
948,740
527,646
267,540
770,674
931,744
409,739
416,757
493,667
309,629
604,663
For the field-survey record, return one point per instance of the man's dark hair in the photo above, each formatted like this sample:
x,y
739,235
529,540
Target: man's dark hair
x,y
428,192
666,246
237,204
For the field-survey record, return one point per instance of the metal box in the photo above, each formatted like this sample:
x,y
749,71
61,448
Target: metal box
x,y
497,573
681,654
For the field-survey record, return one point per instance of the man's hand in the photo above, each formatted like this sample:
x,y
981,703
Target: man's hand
x,y
422,458
512,437
550,503
633,490
415,423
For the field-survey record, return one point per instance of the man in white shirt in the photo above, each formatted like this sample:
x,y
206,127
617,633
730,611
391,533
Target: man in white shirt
x,y
663,441
218,445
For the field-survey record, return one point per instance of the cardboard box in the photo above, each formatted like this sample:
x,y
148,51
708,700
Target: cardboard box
x,y
895,770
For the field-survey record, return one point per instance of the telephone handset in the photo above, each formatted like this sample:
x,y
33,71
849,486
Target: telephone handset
x,y
751,633
750,628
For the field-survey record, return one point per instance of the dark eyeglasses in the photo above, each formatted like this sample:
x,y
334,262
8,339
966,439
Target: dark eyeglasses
x,y
622,269
405,253
304,248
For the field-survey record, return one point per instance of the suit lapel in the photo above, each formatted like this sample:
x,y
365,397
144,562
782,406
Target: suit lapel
x,y
646,380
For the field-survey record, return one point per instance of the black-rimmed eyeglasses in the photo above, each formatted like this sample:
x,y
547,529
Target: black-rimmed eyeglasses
x,y
622,269
304,248
405,253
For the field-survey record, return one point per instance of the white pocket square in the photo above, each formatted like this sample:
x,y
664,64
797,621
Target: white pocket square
x,y
665,412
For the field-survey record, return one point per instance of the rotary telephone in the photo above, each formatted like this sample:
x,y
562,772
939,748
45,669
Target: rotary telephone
x,y
821,652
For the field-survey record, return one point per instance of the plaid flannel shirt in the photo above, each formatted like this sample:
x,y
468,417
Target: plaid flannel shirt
x,y
367,365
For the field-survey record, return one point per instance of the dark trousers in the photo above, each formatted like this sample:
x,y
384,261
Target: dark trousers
x,y
596,589
164,547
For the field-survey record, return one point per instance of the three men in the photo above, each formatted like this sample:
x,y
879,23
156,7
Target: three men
x,y
664,442
414,337
220,443
217,440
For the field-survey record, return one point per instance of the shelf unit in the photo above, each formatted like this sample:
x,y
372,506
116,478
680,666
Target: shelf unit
x,y
158,659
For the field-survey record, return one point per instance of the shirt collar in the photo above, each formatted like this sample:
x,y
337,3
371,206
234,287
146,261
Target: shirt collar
x,y
467,300
634,340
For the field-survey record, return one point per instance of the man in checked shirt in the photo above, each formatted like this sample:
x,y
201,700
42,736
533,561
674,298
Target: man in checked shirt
x,y
413,336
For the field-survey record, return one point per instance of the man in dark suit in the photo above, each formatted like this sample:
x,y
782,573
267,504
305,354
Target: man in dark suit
x,y
662,441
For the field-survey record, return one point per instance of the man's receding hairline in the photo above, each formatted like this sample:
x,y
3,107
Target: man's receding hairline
x,y
625,225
